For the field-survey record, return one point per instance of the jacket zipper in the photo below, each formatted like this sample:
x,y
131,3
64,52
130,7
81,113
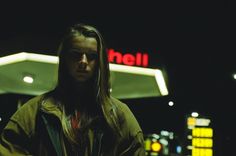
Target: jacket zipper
x,y
100,144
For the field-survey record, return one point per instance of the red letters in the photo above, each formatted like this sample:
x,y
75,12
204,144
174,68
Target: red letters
x,y
140,59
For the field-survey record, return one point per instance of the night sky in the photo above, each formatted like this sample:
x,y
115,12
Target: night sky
x,y
192,41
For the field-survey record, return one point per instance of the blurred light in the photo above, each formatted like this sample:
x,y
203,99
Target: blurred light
x,y
156,146
195,114
171,103
171,135
153,154
189,136
191,122
155,136
164,133
202,122
0,119
189,147
234,75
163,142
178,149
148,143
28,79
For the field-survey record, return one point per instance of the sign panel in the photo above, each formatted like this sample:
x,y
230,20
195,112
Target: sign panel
x,y
138,59
200,137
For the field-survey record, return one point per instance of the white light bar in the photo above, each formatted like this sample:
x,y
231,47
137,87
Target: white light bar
x,y
143,71
24,56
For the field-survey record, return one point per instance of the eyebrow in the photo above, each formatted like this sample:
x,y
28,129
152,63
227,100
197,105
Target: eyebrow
x,y
82,50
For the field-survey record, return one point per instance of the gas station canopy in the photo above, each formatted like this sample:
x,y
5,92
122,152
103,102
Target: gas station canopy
x,y
34,74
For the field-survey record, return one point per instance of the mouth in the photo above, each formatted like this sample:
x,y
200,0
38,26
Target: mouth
x,y
82,71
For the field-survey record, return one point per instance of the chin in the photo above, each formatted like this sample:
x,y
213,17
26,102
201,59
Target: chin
x,y
81,79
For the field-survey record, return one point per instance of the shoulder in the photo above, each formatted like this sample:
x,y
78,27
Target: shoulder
x,y
25,116
126,117
121,106
29,108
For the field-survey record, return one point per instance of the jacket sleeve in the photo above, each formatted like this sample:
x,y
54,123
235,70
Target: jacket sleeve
x,y
132,133
137,146
14,141
16,137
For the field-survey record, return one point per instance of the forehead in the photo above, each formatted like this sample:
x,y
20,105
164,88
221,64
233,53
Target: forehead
x,y
84,43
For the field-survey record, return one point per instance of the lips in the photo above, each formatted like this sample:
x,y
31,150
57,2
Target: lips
x,y
82,71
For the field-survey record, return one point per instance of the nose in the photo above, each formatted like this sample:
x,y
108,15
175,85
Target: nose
x,y
83,62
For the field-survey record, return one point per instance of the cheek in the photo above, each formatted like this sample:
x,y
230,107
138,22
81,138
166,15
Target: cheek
x,y
70,65
93,65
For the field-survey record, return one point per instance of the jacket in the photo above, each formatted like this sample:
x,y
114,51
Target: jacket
x,y
35,129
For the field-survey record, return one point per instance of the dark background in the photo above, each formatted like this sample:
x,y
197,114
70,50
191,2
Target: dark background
x,y
193,40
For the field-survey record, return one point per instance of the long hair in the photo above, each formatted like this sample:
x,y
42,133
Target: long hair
x,y
100,82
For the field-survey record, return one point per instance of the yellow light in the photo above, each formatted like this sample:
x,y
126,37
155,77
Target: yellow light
x,y
156,146
202,132
202,142
147,144
191,121
202,152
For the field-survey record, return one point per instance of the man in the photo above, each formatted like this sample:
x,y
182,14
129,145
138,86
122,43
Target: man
x,y
78,117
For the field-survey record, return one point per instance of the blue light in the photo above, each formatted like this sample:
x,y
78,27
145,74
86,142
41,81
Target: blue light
x,y
178,149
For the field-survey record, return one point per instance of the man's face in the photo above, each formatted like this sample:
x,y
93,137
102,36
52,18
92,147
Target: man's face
x,y
81,58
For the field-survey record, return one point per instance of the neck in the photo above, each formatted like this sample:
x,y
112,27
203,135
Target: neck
x,y
80,96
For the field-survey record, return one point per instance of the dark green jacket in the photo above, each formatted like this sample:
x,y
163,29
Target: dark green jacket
x,y
35,129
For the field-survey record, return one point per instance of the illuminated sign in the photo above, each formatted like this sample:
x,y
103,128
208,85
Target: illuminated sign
x,y
198,121
201,136
202,152
202,142
138,59
202,132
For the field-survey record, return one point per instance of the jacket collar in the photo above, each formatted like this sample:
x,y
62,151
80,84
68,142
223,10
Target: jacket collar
x,y
50,106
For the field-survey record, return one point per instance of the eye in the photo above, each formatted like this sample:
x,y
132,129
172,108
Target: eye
x,y
76,54
92,56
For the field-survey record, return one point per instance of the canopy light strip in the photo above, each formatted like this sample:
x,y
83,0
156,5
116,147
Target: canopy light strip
x,y
24,56
161,82
143,71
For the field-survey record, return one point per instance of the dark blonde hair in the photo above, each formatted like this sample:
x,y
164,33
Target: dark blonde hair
x,y
101,82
